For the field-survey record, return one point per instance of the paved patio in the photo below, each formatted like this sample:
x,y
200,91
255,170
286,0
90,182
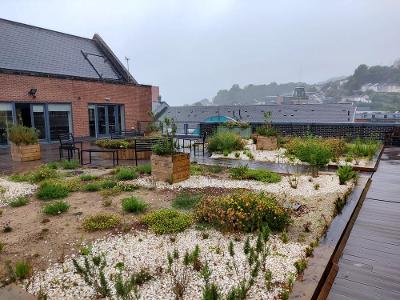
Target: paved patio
x,y
370,265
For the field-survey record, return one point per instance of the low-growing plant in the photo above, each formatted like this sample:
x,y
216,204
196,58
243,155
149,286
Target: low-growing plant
x,y
243,172
284,237
71,164
107,202
126,187
215,169
185,200
88,177
237,154
92,187
363,148
242,211
345,174
52,165
300,265
225,141
101,221
22,269
108,184
20,177
126,174
49,191
133,205
20,201
196,169
167,221
125,288
56,208
42,173
144,169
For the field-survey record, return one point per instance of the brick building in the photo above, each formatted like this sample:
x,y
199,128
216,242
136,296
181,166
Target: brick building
x,y
60,83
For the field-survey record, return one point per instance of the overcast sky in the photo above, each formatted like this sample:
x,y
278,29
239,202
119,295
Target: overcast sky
x,y
191,49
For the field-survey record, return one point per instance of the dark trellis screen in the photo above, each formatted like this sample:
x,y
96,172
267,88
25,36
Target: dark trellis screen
x,y
380,132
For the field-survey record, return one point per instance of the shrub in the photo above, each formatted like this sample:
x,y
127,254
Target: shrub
x,y
242,211
167,221
300,265
42,173
126,174
186,200
20,201
73,184
22,269
225,141
345,174
20,177
266,131
237,154
88,177
21,135
56,208
101,221
48,191
144,169
133,205
69,164
92,187
114,144
310,150
336,146
108,184
363,148
243,172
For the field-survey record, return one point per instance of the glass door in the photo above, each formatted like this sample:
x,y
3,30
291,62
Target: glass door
x,y
6,121
39,120
105,119
101,120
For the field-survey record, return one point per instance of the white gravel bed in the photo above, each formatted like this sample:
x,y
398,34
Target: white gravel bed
x,y
10,190
278,156
146,250
328,184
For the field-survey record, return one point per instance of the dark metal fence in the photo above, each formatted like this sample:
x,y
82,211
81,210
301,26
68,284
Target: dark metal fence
x,y
382,132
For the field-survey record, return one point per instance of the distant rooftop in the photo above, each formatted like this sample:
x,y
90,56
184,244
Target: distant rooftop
x,y
28,49
292,113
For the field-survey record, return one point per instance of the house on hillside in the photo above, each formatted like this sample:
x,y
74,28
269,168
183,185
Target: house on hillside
x,y
60,83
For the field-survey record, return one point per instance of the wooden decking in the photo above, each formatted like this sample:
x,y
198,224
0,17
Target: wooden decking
x,y
370,265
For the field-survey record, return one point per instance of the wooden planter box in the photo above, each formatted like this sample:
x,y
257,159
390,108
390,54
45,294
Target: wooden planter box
x,y
127,154
25,152
171,168
266,142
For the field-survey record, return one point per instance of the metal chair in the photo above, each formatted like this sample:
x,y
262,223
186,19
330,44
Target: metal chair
x,y
68,143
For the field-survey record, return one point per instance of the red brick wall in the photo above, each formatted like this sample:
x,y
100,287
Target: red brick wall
x,y
137,99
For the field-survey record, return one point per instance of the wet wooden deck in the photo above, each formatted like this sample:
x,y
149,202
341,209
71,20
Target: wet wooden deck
x,y
370,265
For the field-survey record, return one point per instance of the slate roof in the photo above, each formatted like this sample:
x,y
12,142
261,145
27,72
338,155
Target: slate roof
x,y
30,49
292,113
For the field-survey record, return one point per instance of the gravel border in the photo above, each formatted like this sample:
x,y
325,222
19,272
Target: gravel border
x,y
14,190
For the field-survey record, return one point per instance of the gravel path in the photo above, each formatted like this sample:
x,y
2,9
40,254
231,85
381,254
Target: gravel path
x,y
328,184
10,190
146,250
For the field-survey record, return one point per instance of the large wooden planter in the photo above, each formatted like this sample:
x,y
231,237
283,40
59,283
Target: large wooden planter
x,y
170,168
127,154
25,152
266,143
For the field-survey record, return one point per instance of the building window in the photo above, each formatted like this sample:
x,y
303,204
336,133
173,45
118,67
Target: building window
x,y
6,121
60,120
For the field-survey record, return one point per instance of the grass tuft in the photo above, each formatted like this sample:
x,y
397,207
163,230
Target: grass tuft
x,y
49,191
20,201
56,208
101,221
133,205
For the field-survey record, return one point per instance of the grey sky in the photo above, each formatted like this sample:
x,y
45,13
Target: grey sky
x,y
191,49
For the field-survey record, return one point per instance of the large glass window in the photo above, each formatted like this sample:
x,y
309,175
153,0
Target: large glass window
x,y
106,119
6,120
59,120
